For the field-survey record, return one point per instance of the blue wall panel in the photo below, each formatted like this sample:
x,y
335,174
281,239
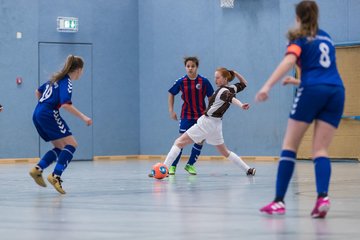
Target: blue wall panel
x,y
249,38
111,26
18,58
138,50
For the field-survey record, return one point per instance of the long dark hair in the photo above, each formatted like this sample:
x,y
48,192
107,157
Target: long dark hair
x,y
72,63
308,13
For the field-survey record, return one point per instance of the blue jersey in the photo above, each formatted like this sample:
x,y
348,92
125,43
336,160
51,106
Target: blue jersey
x,y
194,92
316,58
54,95
46,118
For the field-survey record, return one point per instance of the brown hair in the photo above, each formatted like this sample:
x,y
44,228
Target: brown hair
x,y
225,73
308,13
193,59
72,63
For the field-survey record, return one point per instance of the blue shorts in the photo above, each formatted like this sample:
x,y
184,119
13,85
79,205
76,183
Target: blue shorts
x,y
185,124
322,102
50,125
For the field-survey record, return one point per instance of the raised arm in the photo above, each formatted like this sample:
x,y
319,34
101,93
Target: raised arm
x,y
240,77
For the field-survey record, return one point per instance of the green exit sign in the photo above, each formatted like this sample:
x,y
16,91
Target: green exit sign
x,y
67,24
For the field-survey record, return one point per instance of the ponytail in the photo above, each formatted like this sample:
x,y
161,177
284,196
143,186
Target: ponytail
x,y
308,13
72,63
228,74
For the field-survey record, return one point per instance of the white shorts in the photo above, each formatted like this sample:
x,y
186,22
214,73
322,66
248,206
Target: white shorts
x,y
207,128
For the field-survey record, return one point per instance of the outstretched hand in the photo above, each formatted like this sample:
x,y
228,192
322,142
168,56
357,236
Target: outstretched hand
x,y
88,121
262,95
245,106
291,80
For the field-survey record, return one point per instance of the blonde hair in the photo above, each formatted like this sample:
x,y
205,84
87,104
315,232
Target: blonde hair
x,y
72,63
308,13
225,73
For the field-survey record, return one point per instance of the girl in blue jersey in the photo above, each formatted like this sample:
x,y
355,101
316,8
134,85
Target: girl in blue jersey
x,y
320,98
209,126
194,89
53,95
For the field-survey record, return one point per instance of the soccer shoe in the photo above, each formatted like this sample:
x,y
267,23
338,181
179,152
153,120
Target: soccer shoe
x,y
274,208
321,208
251,172
172,170
36,174
190,169
56,182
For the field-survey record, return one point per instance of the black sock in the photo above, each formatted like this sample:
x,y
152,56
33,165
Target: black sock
x,y
322,195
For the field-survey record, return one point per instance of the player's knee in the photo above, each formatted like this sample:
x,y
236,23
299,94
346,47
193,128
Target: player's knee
x,y
179,143
72,142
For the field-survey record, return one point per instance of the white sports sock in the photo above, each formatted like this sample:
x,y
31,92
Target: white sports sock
x,y
238,161
170,158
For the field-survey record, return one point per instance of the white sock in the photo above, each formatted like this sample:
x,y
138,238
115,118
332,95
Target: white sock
x,y
170,158
238,161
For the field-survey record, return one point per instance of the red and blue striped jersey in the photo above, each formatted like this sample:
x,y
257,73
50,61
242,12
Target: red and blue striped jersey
x,y
193,94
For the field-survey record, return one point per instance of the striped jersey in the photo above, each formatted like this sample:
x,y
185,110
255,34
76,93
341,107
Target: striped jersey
x,y
54,95
220,101
193,95
316,58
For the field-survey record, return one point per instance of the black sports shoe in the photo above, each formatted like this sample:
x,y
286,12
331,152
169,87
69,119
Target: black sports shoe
x,y
251,172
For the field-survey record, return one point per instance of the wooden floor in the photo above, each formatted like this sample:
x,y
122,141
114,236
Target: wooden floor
x,y
116,200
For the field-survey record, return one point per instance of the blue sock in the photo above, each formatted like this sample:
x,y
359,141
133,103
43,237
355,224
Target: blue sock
x,y
64,159
49,158
195,152
322,175
177,159
284,174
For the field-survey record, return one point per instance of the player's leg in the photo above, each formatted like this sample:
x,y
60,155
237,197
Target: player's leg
x,y
194,134
325,126
233,157
49,157
294,133
323,135
172,168
180,143
175,150
183,126
195,153
68,145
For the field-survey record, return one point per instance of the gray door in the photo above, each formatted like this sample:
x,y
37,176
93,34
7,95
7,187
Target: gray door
x,y
52,57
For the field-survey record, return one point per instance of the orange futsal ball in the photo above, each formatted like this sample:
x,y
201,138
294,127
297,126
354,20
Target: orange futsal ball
x,y
159,171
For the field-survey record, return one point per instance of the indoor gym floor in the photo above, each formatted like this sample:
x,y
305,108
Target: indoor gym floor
x,y
116,200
